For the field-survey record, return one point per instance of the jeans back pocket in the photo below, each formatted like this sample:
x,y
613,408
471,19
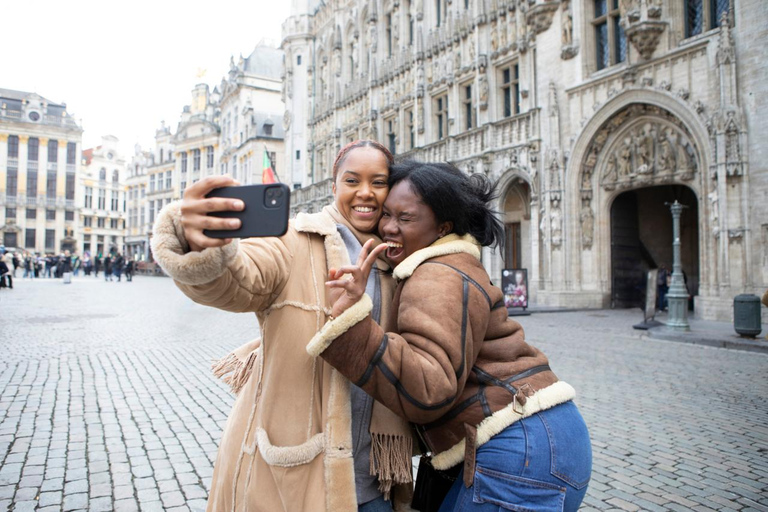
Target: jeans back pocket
x,y
571,459
516,493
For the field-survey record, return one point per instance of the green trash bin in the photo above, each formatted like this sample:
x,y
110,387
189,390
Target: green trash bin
x,y
746,315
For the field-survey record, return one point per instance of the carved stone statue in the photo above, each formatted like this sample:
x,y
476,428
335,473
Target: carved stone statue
x,y
610,175
624,160
503,35
587,225
483,86
666,155
567,30
543,225
494,37
556,223
683,160
714,214
645,150
471,50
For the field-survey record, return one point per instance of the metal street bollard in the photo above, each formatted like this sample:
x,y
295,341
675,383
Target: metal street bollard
x,y
746,315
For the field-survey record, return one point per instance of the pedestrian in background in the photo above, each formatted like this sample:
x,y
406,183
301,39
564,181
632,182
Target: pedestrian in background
x,y
76,264
107,268
16,262
39,262
662,287
117,266
5,274
97,266
87,263
49,265
28,266
129,270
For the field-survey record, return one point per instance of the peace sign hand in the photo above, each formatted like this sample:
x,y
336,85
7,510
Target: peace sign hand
x,y
346,292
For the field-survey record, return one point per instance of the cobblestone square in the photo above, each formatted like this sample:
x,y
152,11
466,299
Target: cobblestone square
x,y
107,403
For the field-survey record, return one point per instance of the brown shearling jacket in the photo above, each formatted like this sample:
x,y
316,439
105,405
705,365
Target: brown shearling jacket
x,y
455,358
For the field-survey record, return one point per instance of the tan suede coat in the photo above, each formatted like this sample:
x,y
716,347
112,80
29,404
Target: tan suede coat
x,y
287,444
455,357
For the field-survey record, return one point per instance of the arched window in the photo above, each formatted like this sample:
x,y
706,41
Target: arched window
x,y
115,176
102,174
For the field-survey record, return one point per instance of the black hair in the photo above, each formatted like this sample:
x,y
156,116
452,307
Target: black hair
x,y
454,197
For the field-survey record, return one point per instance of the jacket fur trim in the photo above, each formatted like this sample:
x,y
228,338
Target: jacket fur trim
x,y
554,394
171,251
289,456
338,326
451,244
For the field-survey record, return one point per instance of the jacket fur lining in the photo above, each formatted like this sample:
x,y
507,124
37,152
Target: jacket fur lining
x,y
335,328
288,456
171,250
558,393
451,244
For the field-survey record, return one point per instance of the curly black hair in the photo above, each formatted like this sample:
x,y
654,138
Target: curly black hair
x,y
454,197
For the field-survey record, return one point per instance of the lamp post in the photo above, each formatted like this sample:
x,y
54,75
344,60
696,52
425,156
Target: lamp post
x,y
677,296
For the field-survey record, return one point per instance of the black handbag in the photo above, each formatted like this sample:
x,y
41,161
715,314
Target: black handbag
x,y
432,485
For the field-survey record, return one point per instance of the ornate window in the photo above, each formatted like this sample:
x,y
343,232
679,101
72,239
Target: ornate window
x,y
610,41
209,158
469,108
102,174
196,159
13,146
703,15
510,91
441,116
33,149
391,136
53,151
441,11
184,161
115,176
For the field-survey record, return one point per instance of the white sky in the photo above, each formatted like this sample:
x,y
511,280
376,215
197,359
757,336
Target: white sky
x,y
122,67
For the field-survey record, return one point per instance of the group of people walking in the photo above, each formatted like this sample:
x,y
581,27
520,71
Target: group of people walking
x,y
53,266
380,330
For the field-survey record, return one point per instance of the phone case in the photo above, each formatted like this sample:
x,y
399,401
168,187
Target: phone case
x,y
267,208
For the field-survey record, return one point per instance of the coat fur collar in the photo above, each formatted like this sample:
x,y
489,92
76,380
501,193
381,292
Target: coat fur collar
x,y
320,223
451,244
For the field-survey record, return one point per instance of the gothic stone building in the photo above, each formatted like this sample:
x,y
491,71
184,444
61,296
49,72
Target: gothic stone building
x,y
590,115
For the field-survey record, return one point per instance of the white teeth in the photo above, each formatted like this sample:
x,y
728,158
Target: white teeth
x,y
394,245
363,209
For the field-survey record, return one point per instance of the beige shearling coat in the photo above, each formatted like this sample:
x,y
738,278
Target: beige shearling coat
x,y
287,444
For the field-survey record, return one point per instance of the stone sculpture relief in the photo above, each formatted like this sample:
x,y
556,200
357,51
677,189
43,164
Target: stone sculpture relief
x,y
587,219
556,223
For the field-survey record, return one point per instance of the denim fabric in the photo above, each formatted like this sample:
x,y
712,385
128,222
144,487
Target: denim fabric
x,y
541,463
376,505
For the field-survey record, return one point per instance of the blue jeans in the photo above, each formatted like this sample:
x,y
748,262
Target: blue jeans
x,y
377,505
541,463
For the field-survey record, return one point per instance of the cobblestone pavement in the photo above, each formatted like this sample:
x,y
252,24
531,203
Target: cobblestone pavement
x,y
107,403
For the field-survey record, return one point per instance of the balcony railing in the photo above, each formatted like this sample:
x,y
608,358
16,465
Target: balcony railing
x,y
13,163
53,166
32,165
313,198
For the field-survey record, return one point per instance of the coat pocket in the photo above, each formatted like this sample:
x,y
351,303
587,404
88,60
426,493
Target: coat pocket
x,y
289,456
516,493
571,450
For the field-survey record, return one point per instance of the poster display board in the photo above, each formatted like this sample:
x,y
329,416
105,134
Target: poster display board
x,y
514,283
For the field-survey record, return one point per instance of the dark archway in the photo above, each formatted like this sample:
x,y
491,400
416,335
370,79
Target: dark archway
x,y
641,239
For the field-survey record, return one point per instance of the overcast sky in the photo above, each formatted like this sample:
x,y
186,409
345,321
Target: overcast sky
x,y
122,67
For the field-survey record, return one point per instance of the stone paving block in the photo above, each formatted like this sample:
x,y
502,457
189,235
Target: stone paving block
x,y
51,499
76,486
103,504
75,501
25,506
126,505
27,494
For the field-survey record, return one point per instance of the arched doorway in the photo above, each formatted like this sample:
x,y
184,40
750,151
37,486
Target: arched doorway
x,y
516,210
641,239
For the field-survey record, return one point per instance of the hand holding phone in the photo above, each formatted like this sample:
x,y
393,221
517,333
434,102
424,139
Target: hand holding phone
x,y
195,207
266,212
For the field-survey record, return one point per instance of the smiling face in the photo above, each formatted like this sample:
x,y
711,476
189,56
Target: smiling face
x,y
408,224
361,187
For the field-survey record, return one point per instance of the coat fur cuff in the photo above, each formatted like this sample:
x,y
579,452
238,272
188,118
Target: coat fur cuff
x,y
335,328
171,251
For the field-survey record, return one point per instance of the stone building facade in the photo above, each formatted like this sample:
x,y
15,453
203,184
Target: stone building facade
x,y
590,115
102,199
40,145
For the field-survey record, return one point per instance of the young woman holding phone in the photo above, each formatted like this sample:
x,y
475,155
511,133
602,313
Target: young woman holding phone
x,y
300,436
